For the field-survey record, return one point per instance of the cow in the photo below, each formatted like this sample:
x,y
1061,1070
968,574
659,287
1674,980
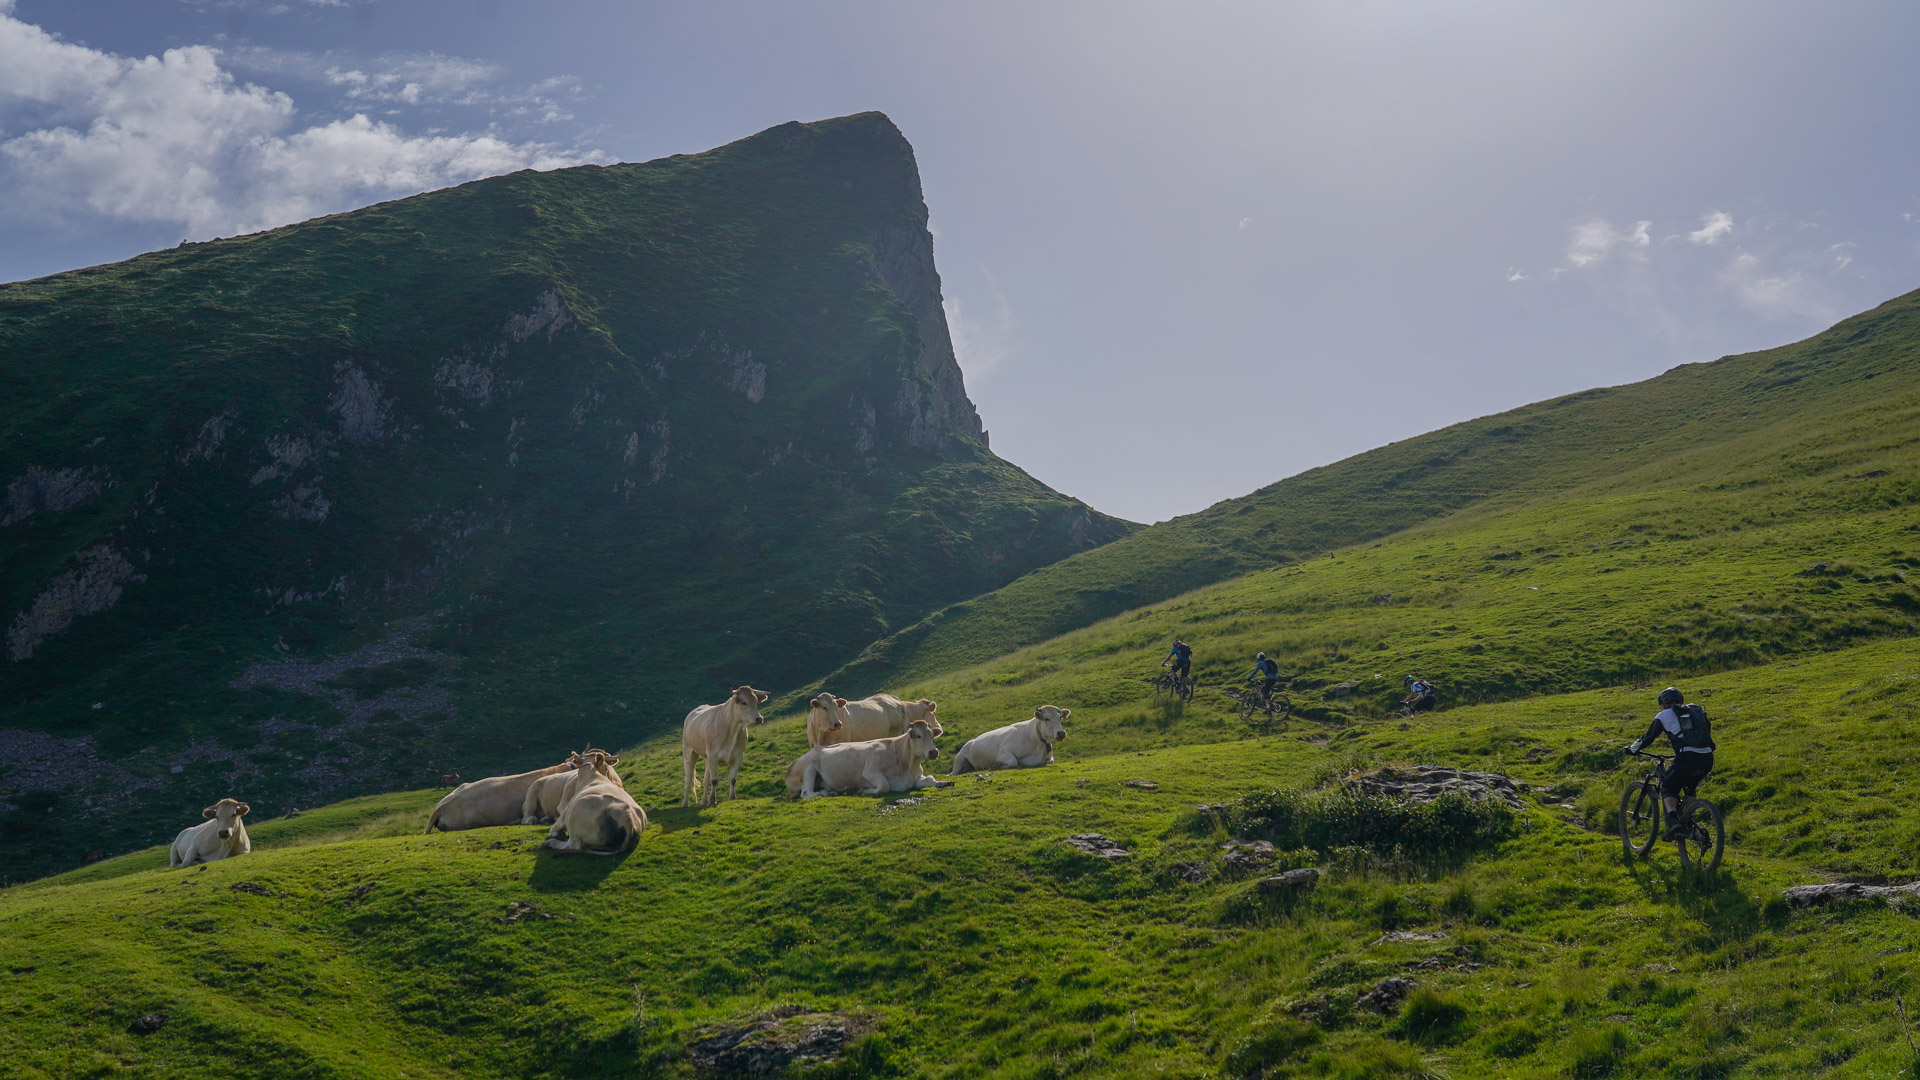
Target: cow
x,y
826,714
1024,745
719,734
883,716
546,794
450,779
495,800
222,836
599,817
871,767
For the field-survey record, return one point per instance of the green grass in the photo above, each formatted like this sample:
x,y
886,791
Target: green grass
x,y
983,946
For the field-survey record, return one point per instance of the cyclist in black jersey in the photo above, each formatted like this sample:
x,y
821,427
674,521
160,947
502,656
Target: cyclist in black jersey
x,y
1180,659
1690,734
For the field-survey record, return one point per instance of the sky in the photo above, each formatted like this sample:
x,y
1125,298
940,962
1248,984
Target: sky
x,y
1187,250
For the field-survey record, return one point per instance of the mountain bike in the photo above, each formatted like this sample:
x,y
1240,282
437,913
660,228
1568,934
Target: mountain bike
x,y
1408,712
1641,809
1276,708
1173,685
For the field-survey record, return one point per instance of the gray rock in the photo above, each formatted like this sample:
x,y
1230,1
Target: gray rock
x,y
147,1023
1095,844
1245,856
1193,872
1144,785
1425,783
1896,896
773,1042
1386,995
1292,881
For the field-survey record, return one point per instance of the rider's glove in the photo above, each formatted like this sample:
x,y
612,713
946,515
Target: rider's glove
x,y
1633,747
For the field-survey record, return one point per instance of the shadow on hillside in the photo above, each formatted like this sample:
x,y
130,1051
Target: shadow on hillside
x,y
571,873
674,818
1716,899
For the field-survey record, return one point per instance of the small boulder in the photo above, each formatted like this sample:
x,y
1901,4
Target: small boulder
x,y
1192,872
147,1023
1245,856
1386,995
1143,785
1095,844
1292,881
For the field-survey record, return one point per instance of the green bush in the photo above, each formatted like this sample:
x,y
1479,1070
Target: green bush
x,y
1447,827
1431,1018
1269,1045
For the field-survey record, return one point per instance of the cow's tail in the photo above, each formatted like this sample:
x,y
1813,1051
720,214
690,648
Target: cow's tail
x,y
796,776
433,820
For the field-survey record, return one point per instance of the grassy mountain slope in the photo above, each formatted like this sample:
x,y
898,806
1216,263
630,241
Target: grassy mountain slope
x,y
1668,431
977,944
421,487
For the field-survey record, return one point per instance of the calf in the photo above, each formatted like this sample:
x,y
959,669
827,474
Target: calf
x,y
599,817
719,734
872,767
1024,745
222,836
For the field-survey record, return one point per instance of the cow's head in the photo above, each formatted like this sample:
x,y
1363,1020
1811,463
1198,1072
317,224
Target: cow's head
x,y
1048,719
228,813
834,709
748,698
920,741
598,760
923,710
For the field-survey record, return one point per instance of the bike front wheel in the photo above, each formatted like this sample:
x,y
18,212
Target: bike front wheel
x,y
1704,837
1249,701
1640,817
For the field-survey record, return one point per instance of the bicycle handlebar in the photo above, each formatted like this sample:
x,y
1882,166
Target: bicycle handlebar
x,y
1656,757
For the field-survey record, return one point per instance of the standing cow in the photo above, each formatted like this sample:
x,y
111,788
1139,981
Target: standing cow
x,y
222,836
826,715
1017,746
719,734
881,716
872,767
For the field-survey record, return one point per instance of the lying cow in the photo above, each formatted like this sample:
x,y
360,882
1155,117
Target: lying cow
x,y
222,836
599,817
719,734
872,767
1017,746
496,800
881,716
544,795
826,715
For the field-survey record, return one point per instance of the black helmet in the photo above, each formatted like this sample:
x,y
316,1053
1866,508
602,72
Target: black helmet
x,y
1670,697
1260,656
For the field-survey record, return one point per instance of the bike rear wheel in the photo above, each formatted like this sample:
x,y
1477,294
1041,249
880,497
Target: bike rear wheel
x,y
1640,817
1183,688
1282,707
1705,837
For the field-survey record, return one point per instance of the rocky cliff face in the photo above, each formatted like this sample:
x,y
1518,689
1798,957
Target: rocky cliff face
x,y
451,483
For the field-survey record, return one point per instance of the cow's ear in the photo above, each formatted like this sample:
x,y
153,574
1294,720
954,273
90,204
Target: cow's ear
x,y
208,813
1064,713
612,761
929,704
759,695
245,809
840,701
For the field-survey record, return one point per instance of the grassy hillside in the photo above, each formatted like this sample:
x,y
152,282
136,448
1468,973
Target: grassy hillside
x,y
438,482
967,940
1680,430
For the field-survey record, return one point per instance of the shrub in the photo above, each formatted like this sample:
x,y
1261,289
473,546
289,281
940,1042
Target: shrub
x,y
1449,826
1432,1018
1598,1051
1269,1045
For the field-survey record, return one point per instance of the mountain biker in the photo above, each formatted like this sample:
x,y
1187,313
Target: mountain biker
x,y
1691,736
1421,696
1267,673
1180,659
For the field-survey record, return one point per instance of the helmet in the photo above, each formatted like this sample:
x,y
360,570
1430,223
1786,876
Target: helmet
x,y
1670,696
1259,656
1409,680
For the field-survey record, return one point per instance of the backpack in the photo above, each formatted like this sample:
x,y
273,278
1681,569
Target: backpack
x,y
1696,731
1269,668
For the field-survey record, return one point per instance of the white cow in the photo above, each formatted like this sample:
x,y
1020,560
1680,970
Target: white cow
x,y
496,800
599,817
826,714
719,734
883,716
872,767
546,794
1024,745
222,836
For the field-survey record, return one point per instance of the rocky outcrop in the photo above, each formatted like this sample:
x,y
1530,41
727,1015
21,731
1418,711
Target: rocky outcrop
x,y
50,490
88,589
903,261
1425,783
1898,897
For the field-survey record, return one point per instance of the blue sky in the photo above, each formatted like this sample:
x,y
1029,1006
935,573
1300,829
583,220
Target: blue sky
x,y
1187,249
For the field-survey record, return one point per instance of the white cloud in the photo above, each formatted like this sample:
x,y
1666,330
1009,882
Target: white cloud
x,y
1514,275
175,139
1714,227
1590,242
1785,294
981,343
1245,223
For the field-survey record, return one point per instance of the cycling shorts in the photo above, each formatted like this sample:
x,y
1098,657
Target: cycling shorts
x,y
1685,774
1183,668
